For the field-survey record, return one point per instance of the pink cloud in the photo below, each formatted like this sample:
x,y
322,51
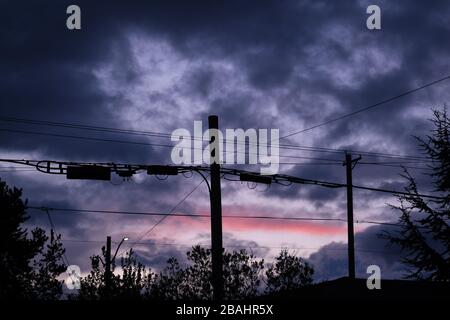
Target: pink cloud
x,y
317,228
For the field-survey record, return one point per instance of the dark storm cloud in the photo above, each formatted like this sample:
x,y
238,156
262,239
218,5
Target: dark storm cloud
x,y
232,243
47,75
330,261
155,254
267,39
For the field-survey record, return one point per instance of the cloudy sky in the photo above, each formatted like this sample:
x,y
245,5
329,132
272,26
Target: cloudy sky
x,y
159,65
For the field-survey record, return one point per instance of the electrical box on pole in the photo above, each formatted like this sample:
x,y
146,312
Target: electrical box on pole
x,y
162,170
255,178
89,172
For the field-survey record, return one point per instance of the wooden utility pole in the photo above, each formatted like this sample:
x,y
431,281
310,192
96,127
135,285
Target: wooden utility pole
x,y
216,210
108,265
351,237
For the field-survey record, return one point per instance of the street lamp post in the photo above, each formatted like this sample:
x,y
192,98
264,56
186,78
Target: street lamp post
x,y
109,261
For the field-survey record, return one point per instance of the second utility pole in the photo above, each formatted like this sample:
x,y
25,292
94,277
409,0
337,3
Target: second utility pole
x,y
108,266
216,210
351,237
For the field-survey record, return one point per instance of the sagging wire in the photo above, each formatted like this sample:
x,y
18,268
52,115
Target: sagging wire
x,y
53,230
253,185
284,184
228,179
189,176
161,178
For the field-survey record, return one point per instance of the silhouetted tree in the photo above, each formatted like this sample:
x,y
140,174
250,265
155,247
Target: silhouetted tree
x,y
242,273
47,269
167,284
425,233
241,276
130,284
288,272
134,277
29,263
92,286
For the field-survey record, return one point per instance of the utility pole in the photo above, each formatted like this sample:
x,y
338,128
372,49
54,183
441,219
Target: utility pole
x,y
108,266
216,210
349,163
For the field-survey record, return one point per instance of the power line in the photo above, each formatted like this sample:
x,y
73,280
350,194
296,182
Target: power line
x,y
336,163
394,192
11,167
340,151
204,215
85,241
84,127
132,142
165,216
86,138
167,135
141,133
365,163
52,225
281,179
184,214
19,169
394,165
368,107
168,244
271,247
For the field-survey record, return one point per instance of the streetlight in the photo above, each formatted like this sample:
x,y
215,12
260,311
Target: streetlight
x,y
118,247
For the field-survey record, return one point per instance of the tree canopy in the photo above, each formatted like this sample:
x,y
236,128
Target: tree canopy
x,y
30,262
244,277
425,232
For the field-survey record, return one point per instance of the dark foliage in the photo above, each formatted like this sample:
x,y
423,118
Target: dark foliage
x,y
30,263
289,272
425,233
243,277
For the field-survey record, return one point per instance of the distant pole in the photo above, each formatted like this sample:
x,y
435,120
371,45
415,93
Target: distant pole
x,y
108,265
351,238
216,213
